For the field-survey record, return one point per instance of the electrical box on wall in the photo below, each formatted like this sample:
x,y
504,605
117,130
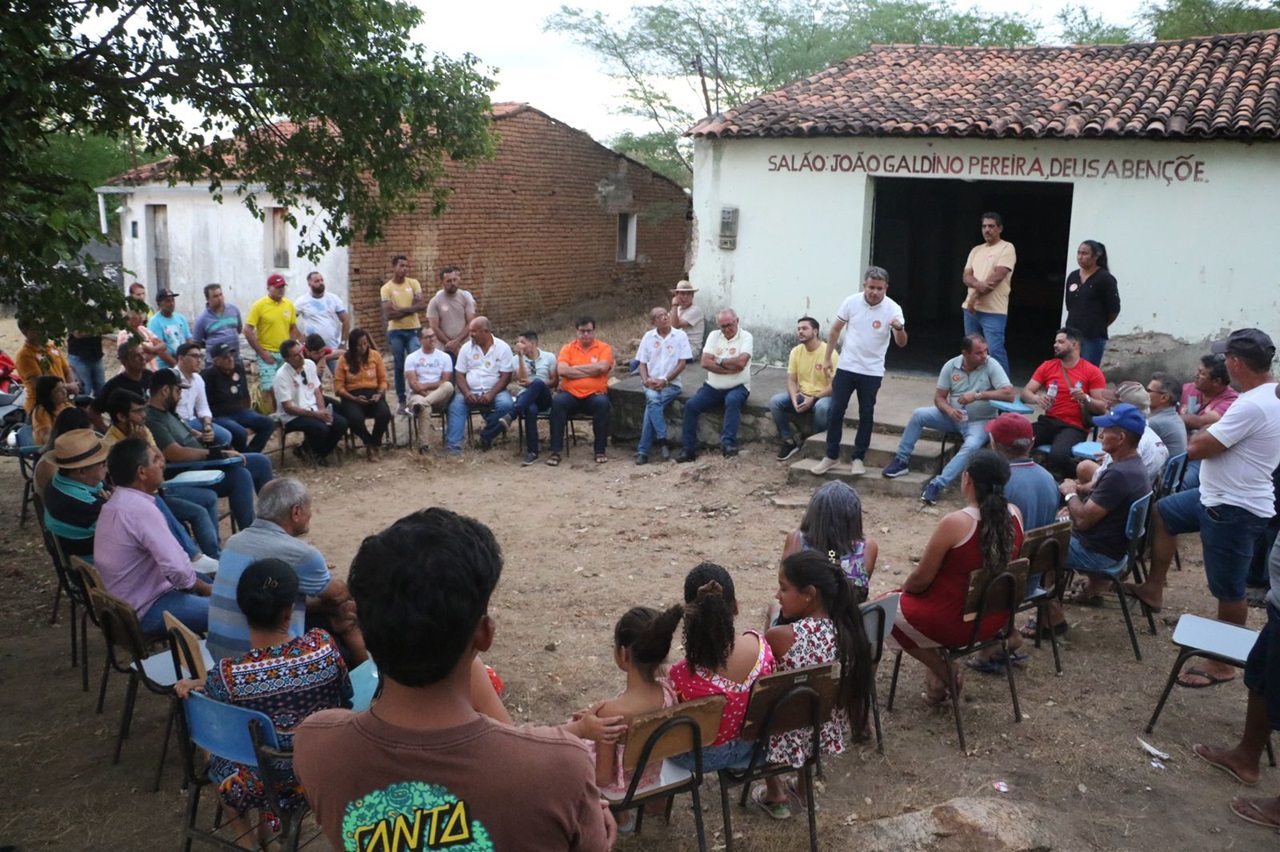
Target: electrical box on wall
x,y
728,227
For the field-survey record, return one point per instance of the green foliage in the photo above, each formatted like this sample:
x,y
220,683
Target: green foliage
x,y
1080,26
720,55
1176,19
375,117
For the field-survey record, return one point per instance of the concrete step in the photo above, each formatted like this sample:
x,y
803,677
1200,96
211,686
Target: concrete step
x,y
801,473
882,450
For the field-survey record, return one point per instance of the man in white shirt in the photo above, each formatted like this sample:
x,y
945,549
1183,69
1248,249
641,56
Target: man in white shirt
x,y
429,372
1235,498
535,376
480,378
872,318
664,352
300,404
685,315
727,359
323,313
193,405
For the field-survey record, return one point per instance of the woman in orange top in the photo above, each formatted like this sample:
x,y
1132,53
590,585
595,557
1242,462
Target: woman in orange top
x,y
51,400
361,385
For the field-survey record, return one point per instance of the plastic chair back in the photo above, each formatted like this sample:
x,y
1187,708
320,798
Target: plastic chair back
x,y
188,661
225,729
705,712
1045,549
364,685
770,709
990,594
1174,469
877,619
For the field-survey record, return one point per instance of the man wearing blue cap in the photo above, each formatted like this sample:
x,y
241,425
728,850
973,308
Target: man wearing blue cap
x,y
1235,498
1098,539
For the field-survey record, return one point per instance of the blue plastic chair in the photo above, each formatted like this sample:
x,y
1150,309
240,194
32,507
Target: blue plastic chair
x,y
1087,450
1135,531
364,685
28,453
243,736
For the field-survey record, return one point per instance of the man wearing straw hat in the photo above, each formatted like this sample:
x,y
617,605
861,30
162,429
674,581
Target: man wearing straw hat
x,y
687,316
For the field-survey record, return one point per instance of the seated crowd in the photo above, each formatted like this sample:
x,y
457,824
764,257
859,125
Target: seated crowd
x,y
418,592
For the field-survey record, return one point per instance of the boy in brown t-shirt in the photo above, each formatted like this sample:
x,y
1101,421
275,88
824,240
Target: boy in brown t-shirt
x,y
422,764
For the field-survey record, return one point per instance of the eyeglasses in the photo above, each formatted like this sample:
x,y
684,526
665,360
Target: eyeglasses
x,y
1157,390
728,325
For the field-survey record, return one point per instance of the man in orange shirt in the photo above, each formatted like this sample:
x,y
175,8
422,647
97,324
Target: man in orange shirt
x,y
584,366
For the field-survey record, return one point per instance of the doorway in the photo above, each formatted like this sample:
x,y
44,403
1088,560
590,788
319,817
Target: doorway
x,y
922,232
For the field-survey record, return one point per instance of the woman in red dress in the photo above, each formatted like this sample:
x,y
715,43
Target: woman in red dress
x,y
983,536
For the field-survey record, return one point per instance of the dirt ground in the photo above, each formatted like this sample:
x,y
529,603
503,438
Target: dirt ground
x,y
584,542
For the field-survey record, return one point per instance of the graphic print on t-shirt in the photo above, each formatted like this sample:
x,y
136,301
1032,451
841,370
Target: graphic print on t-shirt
x,y
412,816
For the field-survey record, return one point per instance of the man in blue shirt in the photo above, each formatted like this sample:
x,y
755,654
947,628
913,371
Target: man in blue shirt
x,y
218,323
169,325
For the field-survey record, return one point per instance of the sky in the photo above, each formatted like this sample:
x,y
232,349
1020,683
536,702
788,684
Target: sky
x,y
550,72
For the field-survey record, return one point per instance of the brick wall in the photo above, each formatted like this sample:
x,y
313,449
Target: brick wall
x,y
535,230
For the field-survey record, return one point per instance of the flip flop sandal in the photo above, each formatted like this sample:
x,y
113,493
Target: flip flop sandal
x,y
1249,812
1077,597
793,797
775,810
1221,767
984,666
601,458
1031,628
553,460
1212,679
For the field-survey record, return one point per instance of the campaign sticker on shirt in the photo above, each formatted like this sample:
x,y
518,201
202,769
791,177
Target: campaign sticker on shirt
x,y
955,377
733,351
488,364
1074,287
875,324
443,307
657,344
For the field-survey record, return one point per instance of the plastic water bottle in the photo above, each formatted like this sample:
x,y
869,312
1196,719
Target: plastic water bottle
x,y
1193,404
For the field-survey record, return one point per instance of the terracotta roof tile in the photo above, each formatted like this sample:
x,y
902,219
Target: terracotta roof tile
x,y
1202,88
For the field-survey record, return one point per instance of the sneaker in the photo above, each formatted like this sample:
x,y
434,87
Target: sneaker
x,y
401,409
504,422
423,449
931,492
641,458
685,457
857,468
666,453
485,444
896,468
531,458
824,465
729,452
787,450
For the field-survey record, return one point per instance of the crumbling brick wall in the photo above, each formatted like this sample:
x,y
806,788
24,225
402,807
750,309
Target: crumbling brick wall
x,y
535,230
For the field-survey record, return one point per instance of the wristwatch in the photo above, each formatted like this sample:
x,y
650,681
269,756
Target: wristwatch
x,y
1067,499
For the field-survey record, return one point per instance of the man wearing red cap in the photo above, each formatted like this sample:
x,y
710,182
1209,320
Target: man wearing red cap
x,y
272,320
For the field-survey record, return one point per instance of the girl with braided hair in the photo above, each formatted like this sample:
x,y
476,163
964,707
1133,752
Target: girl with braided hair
x,y
824,626
983,536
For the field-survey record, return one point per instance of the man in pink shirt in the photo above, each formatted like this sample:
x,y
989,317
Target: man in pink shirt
x,y
139,559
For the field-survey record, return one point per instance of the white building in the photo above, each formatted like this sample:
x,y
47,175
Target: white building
x,y
1164,152
181,238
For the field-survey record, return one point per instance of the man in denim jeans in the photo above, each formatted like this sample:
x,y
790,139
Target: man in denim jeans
x,y
872,318
663,353
1235,498
988,275
808,387
727,359
402,301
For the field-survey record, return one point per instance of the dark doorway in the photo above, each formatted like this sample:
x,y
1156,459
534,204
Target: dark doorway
x,y
922,232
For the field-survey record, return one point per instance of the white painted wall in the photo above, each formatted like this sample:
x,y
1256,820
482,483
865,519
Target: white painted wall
x,y
211,242
1194,255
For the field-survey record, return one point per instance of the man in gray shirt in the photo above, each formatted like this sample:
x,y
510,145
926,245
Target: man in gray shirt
x,y
1164,419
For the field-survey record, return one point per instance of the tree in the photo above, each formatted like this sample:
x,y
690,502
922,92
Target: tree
x,y
1080,26
326,105
1176,19
690,58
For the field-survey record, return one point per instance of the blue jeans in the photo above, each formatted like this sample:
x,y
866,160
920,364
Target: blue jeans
x,y
186,606
404,342
532,400
460,412
706,399
221,436
715,758
783,408
198,508
1262,668
246,420
1091,349
564,405
1191,476
1090,561
91,374
1227,535
655,416
241,485
991,326
176,527
975,438
843,387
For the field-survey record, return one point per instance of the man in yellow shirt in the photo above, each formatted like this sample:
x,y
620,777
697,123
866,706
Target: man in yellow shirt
x,y
988,277
808,387
402,301
272,320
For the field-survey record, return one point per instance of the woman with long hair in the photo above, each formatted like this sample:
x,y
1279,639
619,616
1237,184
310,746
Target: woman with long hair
x,y
1093,299
51,400
832,526
983,536
361,385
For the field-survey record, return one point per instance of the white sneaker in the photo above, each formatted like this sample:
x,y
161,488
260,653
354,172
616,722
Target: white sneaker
x,y
824,465
857,468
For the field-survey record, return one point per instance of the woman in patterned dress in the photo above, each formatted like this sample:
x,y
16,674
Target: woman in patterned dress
x,y
286,677
824,625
